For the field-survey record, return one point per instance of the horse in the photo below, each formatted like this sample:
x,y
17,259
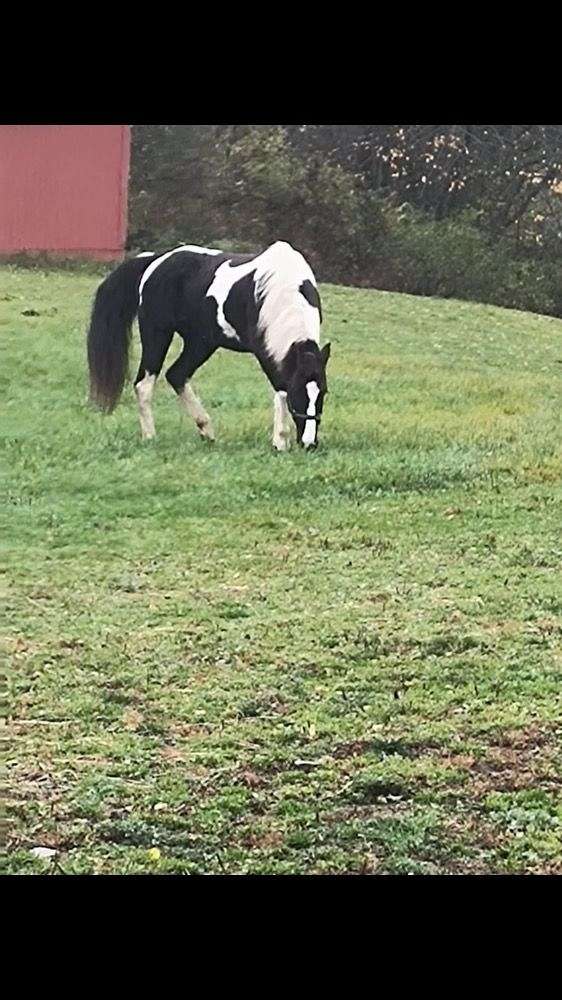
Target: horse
x,y
265,304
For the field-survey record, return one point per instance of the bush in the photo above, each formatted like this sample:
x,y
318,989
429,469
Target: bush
x,y
269,193
455,259
243,187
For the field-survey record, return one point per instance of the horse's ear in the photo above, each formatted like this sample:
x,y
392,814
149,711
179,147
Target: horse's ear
x,y
325,354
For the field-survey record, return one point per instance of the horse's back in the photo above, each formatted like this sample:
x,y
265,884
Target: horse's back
x,y
197,264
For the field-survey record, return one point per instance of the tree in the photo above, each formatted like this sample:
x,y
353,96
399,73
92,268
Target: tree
x,y
497,171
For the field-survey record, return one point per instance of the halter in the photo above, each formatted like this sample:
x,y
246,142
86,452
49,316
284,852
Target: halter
x,y
304,416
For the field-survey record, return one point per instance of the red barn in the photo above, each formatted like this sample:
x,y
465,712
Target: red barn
x,y
63,189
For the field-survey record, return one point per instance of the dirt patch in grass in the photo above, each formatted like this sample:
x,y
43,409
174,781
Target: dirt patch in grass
x,y
530,758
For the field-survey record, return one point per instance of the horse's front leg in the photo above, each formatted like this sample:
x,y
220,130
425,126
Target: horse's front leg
x,y
281,418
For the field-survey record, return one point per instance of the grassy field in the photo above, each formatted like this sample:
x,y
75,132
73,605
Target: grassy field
x,y
225,660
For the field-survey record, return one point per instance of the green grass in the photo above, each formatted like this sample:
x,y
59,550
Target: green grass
x,y
255,663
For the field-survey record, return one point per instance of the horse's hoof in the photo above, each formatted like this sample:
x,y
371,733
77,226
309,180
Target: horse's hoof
x,y
206,433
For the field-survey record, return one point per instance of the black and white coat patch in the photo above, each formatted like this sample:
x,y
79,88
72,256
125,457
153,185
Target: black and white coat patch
x,y
265,304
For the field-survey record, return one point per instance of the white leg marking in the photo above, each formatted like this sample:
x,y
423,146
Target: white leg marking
x,y
144,390
309,435
193,405
280,422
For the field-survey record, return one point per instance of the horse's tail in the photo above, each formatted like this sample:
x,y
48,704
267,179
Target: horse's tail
x,y
115,307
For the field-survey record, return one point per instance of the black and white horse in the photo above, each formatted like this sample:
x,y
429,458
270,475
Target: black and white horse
x,y
265,304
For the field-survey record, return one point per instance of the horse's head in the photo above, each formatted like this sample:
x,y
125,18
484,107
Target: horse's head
x,y
306,390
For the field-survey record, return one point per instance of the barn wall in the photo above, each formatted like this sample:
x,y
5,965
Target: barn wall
x,y
63,188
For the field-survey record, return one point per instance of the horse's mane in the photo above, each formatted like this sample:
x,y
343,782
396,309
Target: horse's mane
x,y
285,314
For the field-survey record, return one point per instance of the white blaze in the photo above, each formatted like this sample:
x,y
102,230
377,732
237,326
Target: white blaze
x,y
309,435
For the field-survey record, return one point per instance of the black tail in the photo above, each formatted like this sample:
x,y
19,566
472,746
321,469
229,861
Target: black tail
x,y
109,335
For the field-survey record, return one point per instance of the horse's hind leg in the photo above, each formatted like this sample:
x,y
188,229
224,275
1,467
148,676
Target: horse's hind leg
x,y
179,374
154,349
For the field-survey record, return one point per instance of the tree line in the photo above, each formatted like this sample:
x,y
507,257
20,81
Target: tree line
x,y
470,211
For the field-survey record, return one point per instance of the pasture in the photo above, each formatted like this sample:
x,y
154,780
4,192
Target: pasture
x,y
226,660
